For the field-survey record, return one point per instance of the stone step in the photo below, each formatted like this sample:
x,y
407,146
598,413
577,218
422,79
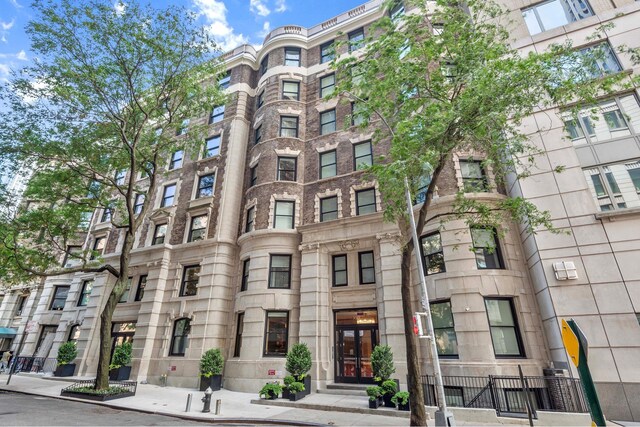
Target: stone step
x,y
342,392
343,386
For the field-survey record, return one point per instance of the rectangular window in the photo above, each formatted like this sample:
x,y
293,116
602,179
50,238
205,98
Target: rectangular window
x,y
217,114
22,299
505,334
615,186
245,274
205,185
327,85
106,214
159,234
366,268
339,270
190,278
176,160
327,122
120,177
600,61
487,248
287,168
98,247
168,195
432,254
328,164
289,126
357,117
555,13
356,39
253,176
280,272
260,100
142,283
198,230
85,292
291,90
276,333
284,214
224,80
239,330
180,337
125,296
138,203
362,155
396,10
212,146
328,208
184,127
443,328
60,294
257,137
251,216
292,56
365,201
474,179
264,65
73,257
327,52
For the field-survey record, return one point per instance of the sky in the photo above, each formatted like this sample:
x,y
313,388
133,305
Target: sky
x,y
231,22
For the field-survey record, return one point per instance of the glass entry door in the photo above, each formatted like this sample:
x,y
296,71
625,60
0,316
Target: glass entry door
x,y
354,345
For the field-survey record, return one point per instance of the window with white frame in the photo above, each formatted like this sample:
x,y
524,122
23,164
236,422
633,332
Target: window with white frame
x,y
328,164
291,90
327,85
205,185
198,229
555,13
217,114
328,208
327,122
212,146
615,186
168,195
284,214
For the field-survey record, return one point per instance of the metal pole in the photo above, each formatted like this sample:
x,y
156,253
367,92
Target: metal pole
x,y
189,397
444,418
218,406
15,357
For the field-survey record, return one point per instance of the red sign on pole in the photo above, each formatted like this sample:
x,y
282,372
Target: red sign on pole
x,y
416,330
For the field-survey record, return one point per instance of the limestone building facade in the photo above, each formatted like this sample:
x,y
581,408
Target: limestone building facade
x,y
273,236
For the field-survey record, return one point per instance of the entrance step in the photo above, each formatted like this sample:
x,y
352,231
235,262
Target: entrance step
x,y
345,389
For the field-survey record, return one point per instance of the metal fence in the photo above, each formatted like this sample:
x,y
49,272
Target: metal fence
x,y
131,386
508,395
34,364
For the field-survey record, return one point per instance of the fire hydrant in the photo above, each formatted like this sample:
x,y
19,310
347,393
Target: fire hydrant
x,y
207,400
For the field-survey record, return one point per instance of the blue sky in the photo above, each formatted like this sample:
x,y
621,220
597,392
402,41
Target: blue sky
x,y
231,22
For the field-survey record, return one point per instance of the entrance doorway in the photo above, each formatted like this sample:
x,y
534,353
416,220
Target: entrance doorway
x,y
356,336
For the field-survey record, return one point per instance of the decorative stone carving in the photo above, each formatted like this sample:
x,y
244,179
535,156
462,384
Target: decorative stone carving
x,y
349,245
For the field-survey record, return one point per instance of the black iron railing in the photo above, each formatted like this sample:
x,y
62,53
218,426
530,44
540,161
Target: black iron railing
x,y
34,364
130,386
509,395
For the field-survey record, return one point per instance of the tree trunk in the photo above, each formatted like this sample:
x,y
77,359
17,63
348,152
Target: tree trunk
x,y
416,402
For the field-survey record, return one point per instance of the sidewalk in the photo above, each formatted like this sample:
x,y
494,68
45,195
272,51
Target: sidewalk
x,y
315,409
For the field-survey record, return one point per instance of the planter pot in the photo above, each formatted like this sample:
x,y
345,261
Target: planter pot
x,y
402,407
307,384
272,395
387,401
374,404
65,370
120,374
285,393
214,381
296,396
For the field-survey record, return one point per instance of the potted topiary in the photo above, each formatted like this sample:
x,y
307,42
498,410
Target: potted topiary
x,y
211,365
298,364
401,399
66,354
119,369
288,380
271,391
296,391
382,366
389,389
375,395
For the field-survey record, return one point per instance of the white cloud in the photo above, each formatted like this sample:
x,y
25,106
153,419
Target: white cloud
x,y
15,4
120,7
281,6
22,56
215,15
266,28
7,25
259,7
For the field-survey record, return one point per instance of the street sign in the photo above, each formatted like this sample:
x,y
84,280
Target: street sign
x,y
571,343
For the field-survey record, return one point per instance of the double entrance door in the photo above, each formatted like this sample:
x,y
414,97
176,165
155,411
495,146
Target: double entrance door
x,y
356,336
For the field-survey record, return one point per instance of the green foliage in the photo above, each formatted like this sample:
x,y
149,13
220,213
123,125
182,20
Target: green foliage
x,y
374,392
104,392
400,397
121,355
211,363
298,360
295,387
382,362
270,389
288,380
67,353
389,387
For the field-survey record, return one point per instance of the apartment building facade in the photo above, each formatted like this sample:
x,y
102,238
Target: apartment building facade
x,y
273,236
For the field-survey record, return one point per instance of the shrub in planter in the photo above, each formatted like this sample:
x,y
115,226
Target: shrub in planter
x,y
211,365
119,369
271,390
299,363
288,380
401,399
382,363
296,391
389,389
375,393
66,354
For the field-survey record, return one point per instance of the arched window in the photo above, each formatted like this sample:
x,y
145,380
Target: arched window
x,y
180,337
74,333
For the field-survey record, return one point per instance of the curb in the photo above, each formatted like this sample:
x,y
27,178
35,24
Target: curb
x,y
384,412
243,421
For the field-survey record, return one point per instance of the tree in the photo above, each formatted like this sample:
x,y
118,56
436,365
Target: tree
x,y
96,117
443,79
